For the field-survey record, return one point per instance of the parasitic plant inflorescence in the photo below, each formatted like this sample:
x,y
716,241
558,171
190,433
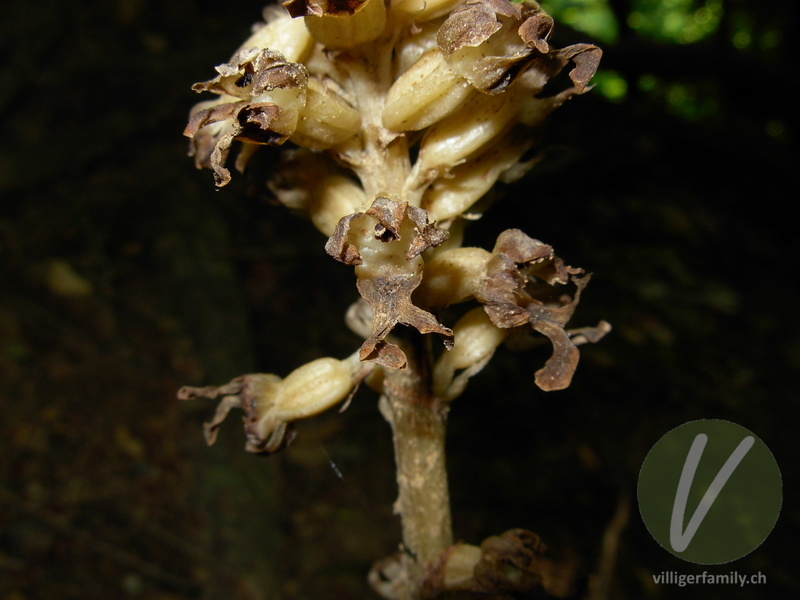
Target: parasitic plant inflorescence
x,y
397,117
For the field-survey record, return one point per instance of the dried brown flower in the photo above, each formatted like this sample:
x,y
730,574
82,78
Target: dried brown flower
x,y
384,244
520,287
262,96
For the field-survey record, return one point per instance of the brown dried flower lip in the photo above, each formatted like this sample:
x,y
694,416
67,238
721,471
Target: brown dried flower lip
x,y
491,42
240,114
519,288
387,229
246,392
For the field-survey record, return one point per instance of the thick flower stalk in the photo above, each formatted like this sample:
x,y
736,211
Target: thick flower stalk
x,y
397,117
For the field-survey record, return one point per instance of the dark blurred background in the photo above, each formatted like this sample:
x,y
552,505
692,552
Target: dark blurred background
x,y
126,275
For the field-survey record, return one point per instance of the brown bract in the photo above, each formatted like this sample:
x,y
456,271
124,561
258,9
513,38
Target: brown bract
x,y
254,395
491,42
520,287
243,113
384,243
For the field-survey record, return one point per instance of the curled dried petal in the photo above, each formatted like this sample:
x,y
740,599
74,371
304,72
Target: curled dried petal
x,y
492,43
384,243
255,394
340,23
272,404
489,42
253,71
518,289
390,300
262,98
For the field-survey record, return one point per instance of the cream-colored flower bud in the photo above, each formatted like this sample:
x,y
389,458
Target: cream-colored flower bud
x,y
460,566
291,101
424,94
414,43
315,387
281,32
327,119
452,276
422,10
479,121
476,339
344,29
451,196
335,197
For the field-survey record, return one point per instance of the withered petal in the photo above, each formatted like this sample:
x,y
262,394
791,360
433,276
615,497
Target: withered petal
x,y
255,122
536,30
519,288
471,24
586,58
309,8
253,394
517,562
521,248
390,300
214,114
219,156
388,291
428,234
390,215
272,71
524,39
557,372
248,122
252,71
589,335
339,247
514,564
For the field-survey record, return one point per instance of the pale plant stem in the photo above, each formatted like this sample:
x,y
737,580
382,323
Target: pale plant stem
x,y
385,164
418,423
416,417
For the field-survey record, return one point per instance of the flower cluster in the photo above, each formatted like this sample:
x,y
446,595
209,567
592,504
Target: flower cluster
x,y
397,117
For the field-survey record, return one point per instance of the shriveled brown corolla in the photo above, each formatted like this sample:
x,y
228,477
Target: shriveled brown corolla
x,y
261,98
271,405
492,42
385,244
519,284
519,288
